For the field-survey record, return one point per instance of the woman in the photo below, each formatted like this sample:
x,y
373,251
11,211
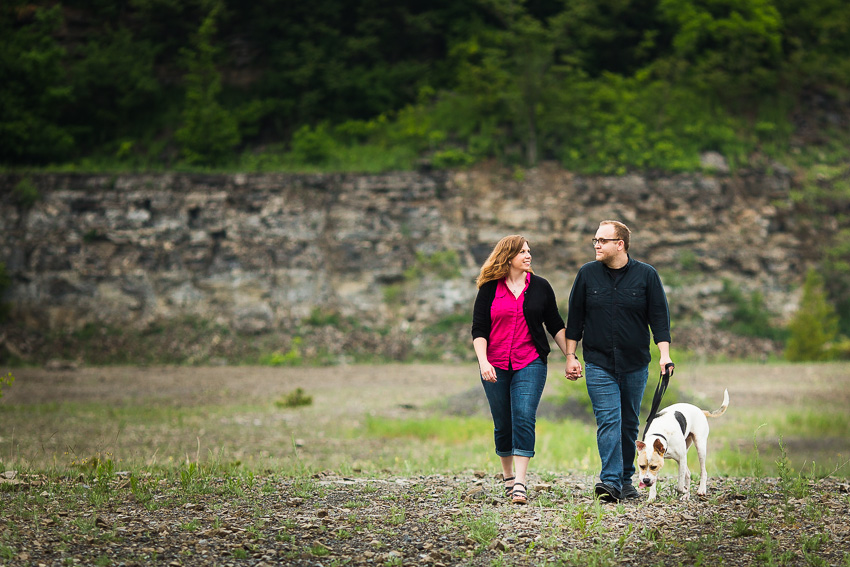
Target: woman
x,y
510,311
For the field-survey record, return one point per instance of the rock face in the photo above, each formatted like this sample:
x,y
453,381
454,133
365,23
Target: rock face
x,y
262,252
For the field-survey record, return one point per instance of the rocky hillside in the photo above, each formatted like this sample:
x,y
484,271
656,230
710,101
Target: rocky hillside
x,y
346,263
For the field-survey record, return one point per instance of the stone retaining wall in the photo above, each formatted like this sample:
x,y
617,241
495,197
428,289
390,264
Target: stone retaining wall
x,y
261,252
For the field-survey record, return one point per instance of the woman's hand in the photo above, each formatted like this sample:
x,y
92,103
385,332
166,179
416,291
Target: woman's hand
x,y
488,373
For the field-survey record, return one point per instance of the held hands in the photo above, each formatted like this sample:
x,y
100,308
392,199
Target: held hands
x,y
573,370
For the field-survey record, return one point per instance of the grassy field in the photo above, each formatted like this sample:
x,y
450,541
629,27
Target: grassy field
x,y
393,465
398,418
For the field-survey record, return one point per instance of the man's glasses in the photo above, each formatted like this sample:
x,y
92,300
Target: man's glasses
x,y
604,241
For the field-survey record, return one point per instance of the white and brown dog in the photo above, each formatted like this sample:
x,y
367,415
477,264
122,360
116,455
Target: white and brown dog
x,y
669,436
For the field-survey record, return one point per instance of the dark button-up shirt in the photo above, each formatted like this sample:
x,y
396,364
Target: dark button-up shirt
x,y
613,315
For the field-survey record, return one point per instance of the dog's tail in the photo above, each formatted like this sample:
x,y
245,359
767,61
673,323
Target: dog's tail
x,y
722,409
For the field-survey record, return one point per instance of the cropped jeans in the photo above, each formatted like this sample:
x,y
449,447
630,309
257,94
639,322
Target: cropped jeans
x,y
513,400
616,405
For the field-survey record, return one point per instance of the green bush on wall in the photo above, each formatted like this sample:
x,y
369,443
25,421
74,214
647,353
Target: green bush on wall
x,y
814,328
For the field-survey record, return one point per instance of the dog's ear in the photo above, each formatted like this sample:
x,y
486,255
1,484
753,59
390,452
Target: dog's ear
x,y
659,447
640,445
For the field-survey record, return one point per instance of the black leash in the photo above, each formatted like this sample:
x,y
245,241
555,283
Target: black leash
x,y
663,382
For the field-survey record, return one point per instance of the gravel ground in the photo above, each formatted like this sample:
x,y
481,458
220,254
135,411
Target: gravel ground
x,y
424,520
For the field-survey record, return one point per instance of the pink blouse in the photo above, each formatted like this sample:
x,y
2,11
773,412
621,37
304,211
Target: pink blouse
x,y
510,345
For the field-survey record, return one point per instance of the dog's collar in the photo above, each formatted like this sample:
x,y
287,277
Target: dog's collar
x,y
665,439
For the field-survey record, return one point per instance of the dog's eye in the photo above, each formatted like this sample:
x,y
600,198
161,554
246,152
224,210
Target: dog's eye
x,y
653,468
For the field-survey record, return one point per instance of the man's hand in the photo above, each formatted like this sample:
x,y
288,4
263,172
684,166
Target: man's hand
x,y
573,370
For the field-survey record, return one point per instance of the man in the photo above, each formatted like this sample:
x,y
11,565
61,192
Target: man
x,y
614,303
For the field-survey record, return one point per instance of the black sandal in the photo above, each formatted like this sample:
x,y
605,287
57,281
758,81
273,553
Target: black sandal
x,y
519,495
508,489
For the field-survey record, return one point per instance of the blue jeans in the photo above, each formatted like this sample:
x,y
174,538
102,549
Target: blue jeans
x,y
513,402
616,404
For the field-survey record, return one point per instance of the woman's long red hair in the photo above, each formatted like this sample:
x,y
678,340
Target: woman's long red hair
x,y
498,264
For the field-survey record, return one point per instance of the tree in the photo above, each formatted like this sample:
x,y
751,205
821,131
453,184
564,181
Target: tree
x,y
33,89
209,132
505,72
814,327
730,48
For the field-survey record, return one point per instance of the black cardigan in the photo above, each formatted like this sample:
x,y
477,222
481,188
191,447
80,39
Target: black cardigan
x,y
539,308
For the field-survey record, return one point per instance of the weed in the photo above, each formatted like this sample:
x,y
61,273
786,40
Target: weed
x,y
587,519
294,399
8,379
292,357
544,500
742,528
396,517
482,528
600,556
791,484
7,552
306,488
319,550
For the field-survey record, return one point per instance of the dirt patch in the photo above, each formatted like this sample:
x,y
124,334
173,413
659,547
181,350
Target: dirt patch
x,y
422,520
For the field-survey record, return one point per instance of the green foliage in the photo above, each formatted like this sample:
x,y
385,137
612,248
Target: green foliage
x,y
294,399
320,317
35,90
313,146
601,86
731,49
836,271
25,194
749,316
209,132
443,264
815,325
292,357
448,324
116,94
8,380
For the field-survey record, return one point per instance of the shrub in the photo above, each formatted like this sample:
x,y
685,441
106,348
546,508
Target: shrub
x,y
294,399
814,327
290,358
312,146
8,379
26,193
749,316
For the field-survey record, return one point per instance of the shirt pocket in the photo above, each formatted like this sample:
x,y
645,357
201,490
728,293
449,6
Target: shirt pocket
x,y
598,296
633,298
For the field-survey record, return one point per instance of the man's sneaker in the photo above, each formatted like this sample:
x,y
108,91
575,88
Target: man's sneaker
x,y
629,492
607,493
